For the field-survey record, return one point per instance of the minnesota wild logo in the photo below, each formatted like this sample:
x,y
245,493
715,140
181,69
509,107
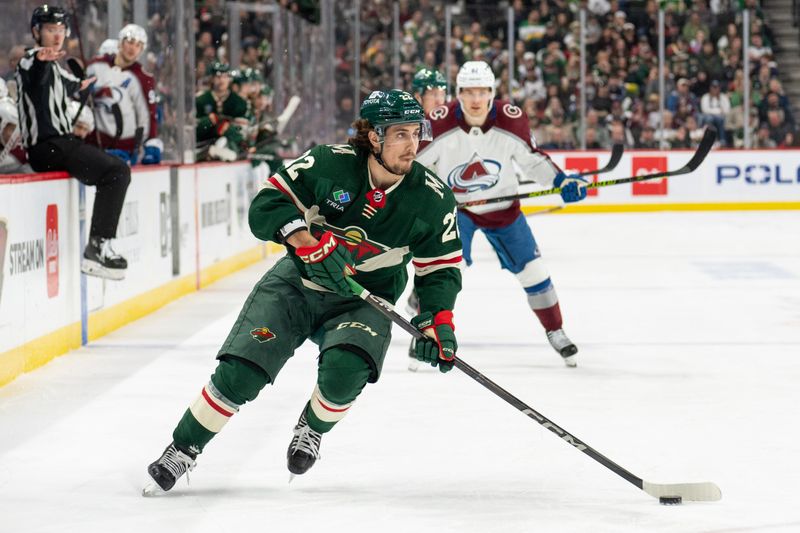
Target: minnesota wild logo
x,y
262,335
355,240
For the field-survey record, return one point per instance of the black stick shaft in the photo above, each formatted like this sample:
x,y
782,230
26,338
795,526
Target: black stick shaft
x,y
702,151
387,310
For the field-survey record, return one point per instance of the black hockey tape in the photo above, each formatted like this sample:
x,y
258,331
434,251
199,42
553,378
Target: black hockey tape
x,y
670,500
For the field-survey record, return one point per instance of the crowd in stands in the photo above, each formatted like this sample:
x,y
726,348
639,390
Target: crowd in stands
x,y
703,73
704,76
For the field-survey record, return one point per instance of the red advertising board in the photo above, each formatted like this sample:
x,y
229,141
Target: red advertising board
x,y
51,250
649,165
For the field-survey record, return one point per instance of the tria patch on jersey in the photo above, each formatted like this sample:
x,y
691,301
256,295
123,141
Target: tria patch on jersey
x,y
340,199
476,175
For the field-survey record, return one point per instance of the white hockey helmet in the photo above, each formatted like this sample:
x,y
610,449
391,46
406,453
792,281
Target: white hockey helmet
x,y
109,47
86,118
134,32
475,74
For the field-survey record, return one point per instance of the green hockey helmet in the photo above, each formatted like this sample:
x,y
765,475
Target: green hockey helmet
x,y
425,79
217,67
383,109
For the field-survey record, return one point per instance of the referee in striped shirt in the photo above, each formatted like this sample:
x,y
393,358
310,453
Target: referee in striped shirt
x,y
43,95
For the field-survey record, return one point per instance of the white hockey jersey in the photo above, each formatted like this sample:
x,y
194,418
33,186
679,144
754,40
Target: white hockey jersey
x,y
124,101
484,162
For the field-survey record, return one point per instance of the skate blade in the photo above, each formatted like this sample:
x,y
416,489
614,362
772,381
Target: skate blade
x,y
291,478
90,268
151,488
571,361
413,365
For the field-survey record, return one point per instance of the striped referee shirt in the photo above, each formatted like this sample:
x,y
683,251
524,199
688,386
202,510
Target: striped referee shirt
x,y
43,92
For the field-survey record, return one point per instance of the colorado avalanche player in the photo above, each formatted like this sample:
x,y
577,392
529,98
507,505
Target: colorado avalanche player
x,y
125,100
476,145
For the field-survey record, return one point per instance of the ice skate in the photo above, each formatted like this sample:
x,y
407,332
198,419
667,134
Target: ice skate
x,y
167,469
303,451
100,260
412,308
413,362
561,343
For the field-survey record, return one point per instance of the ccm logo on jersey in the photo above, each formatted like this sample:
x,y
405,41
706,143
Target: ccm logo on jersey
x,y
755,174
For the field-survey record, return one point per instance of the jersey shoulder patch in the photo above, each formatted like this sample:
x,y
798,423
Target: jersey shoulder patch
x,y
512,119
443,118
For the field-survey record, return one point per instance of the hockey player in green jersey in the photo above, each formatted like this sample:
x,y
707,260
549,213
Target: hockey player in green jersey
x,y
364,209
221,115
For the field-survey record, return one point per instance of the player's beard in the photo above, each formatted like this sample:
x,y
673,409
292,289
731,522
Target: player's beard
x,y
400,168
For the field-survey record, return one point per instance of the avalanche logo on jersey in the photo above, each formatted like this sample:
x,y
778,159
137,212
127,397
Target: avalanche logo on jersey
x,y
476,175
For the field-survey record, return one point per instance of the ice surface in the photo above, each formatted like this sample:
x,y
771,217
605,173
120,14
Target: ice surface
x,y
689,331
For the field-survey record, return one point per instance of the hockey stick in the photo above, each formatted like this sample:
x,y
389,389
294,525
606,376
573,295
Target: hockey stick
x,y
89,98
709,138
700,492
613,161
283,119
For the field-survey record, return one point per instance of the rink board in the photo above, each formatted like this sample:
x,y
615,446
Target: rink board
x,y
183,227
726,180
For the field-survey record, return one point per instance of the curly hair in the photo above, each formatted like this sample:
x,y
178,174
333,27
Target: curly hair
x,y
361,140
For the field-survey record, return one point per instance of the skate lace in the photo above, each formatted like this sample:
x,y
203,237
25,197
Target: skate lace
x,y
107,251
177,462
306,440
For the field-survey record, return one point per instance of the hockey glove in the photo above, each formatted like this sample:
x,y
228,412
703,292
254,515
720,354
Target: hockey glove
x,y
327,263
439,347
573,187
221,125
152,152
122,154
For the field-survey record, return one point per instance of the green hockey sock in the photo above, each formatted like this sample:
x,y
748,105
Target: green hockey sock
x,y
341,377
234,382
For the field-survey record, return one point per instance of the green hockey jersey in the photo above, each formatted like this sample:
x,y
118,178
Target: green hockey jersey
x,y
233,107
329,188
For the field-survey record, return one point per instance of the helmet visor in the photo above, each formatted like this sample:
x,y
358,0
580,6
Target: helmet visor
x,y
390,135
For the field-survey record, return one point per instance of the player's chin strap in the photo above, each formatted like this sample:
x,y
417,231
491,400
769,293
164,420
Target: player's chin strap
x,y
379,159
377,155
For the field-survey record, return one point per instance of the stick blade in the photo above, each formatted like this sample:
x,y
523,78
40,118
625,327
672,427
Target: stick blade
x,y
693,492
708,140
616,155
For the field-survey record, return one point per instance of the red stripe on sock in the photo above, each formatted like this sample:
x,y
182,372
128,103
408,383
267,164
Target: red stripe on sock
x,y
214,405
331,409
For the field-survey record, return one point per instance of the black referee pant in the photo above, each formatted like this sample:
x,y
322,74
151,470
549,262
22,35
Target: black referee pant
x,y
91,166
